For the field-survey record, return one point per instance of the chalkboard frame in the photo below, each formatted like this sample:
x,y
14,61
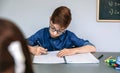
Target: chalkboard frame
x,y
103,20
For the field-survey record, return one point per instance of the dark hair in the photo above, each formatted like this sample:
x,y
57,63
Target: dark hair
x,y
61,16
9,33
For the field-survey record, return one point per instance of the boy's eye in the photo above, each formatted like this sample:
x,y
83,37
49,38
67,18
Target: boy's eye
x,y
53,28
59,31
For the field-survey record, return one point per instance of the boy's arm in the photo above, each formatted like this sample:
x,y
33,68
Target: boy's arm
x,y
84,49
37,50
32,49
71,51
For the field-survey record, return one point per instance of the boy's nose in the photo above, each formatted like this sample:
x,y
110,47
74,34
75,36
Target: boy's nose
x,y
54,32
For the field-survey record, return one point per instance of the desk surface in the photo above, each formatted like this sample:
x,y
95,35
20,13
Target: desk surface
x,y
79,68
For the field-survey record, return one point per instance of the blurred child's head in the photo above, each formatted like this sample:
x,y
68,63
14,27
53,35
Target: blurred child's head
x,y
14,53
59,21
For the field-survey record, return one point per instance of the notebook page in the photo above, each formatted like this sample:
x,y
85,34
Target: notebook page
x,y
82,58
50,58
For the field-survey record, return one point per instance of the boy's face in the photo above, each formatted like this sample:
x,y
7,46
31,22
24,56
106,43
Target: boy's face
x,y
55,30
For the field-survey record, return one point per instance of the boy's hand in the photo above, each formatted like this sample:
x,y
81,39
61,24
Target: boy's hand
x,y
66,52
40,50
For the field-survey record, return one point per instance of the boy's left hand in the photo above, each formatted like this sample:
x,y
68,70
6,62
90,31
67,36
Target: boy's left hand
x,y
66,52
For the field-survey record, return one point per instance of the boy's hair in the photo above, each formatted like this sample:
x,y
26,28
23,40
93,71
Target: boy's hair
x,y
61,16
9,33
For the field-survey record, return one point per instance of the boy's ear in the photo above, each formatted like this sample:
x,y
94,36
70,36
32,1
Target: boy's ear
x,y
50,20
50,17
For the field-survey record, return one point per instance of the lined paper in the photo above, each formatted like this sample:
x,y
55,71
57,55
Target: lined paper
x,y
51,58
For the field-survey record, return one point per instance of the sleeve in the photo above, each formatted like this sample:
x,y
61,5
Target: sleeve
x,y
32,39
78,42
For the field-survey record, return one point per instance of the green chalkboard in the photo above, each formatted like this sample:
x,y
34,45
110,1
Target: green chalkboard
x,y
108,10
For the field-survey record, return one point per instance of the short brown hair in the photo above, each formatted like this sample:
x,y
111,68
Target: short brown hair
x,y
61,16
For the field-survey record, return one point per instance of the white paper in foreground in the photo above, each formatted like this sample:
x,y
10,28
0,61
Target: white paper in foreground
x,y
51,58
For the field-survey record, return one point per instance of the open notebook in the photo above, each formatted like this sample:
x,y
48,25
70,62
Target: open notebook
x,y
51,58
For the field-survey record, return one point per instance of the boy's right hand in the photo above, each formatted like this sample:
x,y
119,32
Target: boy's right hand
x,y
40,50
37,50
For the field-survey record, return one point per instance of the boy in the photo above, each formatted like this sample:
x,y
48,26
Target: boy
x,y
56,37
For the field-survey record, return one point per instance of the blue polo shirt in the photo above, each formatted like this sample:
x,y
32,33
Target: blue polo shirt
x,y
66,40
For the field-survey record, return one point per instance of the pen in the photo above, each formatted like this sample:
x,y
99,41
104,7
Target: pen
x,y
100,56
38,43
45,51
108,58
65,59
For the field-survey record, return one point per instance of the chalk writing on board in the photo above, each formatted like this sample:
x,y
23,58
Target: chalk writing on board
x,y
113,10
108,10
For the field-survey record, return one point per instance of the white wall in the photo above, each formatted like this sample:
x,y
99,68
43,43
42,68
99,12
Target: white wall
x,y
31,15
